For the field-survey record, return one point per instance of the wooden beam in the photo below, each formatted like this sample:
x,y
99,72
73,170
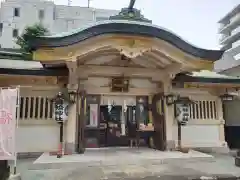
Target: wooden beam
x,y
132,91
210,85
118,71
10,80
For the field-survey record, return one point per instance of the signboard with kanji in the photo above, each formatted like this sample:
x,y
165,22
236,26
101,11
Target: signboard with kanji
x,y
61,112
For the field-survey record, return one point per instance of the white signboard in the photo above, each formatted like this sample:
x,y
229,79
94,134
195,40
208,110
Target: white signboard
x,y
93,115
8,105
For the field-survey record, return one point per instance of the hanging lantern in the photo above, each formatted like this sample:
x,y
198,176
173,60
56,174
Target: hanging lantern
x,y
60,107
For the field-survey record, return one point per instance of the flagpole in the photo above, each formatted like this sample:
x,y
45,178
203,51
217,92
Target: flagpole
x,y
17,120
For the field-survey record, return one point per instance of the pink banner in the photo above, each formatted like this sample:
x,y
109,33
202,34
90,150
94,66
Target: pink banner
x,y
8,105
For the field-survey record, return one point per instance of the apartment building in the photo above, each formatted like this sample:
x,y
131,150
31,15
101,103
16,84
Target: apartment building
x,y
15,15
230,65
230,41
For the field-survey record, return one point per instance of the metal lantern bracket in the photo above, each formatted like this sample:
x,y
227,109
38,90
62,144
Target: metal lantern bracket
x,y
171,98
184,100
72,96
226,97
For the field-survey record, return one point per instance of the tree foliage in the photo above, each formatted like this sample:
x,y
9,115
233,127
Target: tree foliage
x,y
28,35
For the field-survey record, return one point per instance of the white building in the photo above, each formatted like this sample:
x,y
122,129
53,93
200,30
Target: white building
x,y
230,41
15,15
230,31
230,65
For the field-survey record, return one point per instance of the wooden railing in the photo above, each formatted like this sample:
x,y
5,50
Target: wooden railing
x,y
204,109
37,108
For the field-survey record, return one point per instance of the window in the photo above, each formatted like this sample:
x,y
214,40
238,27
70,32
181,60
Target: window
x,y
16,12
1,28
35,108
203,110
41,14
15,32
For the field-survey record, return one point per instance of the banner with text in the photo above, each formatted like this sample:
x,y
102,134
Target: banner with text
x,y
8,105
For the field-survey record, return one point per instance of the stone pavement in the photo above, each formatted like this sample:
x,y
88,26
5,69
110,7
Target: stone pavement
x,y
121,167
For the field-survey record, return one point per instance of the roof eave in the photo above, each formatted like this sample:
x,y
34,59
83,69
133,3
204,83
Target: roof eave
x,y
189,78
34,72
131,29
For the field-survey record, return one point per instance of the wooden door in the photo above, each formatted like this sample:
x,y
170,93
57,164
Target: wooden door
x,y
159,121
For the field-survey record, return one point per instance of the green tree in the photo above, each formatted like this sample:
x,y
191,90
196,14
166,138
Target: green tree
x,y
30,32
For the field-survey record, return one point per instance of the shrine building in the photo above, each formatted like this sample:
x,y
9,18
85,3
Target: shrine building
x,y
121,70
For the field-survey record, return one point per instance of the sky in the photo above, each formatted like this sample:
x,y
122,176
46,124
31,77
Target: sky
x,y
193,20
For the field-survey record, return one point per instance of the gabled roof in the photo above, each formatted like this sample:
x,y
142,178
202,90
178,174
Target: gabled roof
x,y
124,27
14,59
13,62
8,53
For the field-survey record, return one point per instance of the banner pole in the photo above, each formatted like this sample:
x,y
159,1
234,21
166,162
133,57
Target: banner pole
x,y
17,119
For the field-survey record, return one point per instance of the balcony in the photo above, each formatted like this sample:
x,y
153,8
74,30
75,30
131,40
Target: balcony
x,y
232,25
225,39
234,50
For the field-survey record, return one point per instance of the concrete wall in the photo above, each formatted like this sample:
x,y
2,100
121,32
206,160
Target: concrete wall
x,y
37,138
195,135
36,131
202,132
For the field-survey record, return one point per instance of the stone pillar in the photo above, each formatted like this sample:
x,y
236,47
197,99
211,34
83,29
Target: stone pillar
x,y
169,117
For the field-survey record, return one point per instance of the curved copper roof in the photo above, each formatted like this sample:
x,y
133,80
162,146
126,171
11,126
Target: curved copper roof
x,y
124,27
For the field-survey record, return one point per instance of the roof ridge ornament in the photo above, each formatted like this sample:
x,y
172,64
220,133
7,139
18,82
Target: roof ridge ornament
x,y
130,13
131,4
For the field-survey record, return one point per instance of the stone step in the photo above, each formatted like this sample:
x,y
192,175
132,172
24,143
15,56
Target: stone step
x,y
67,164
98,174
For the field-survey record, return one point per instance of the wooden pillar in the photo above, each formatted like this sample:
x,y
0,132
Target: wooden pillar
x,y
71,130
169,117
81,115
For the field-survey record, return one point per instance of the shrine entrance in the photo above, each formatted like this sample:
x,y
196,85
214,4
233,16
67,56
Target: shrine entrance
x,y
115,120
